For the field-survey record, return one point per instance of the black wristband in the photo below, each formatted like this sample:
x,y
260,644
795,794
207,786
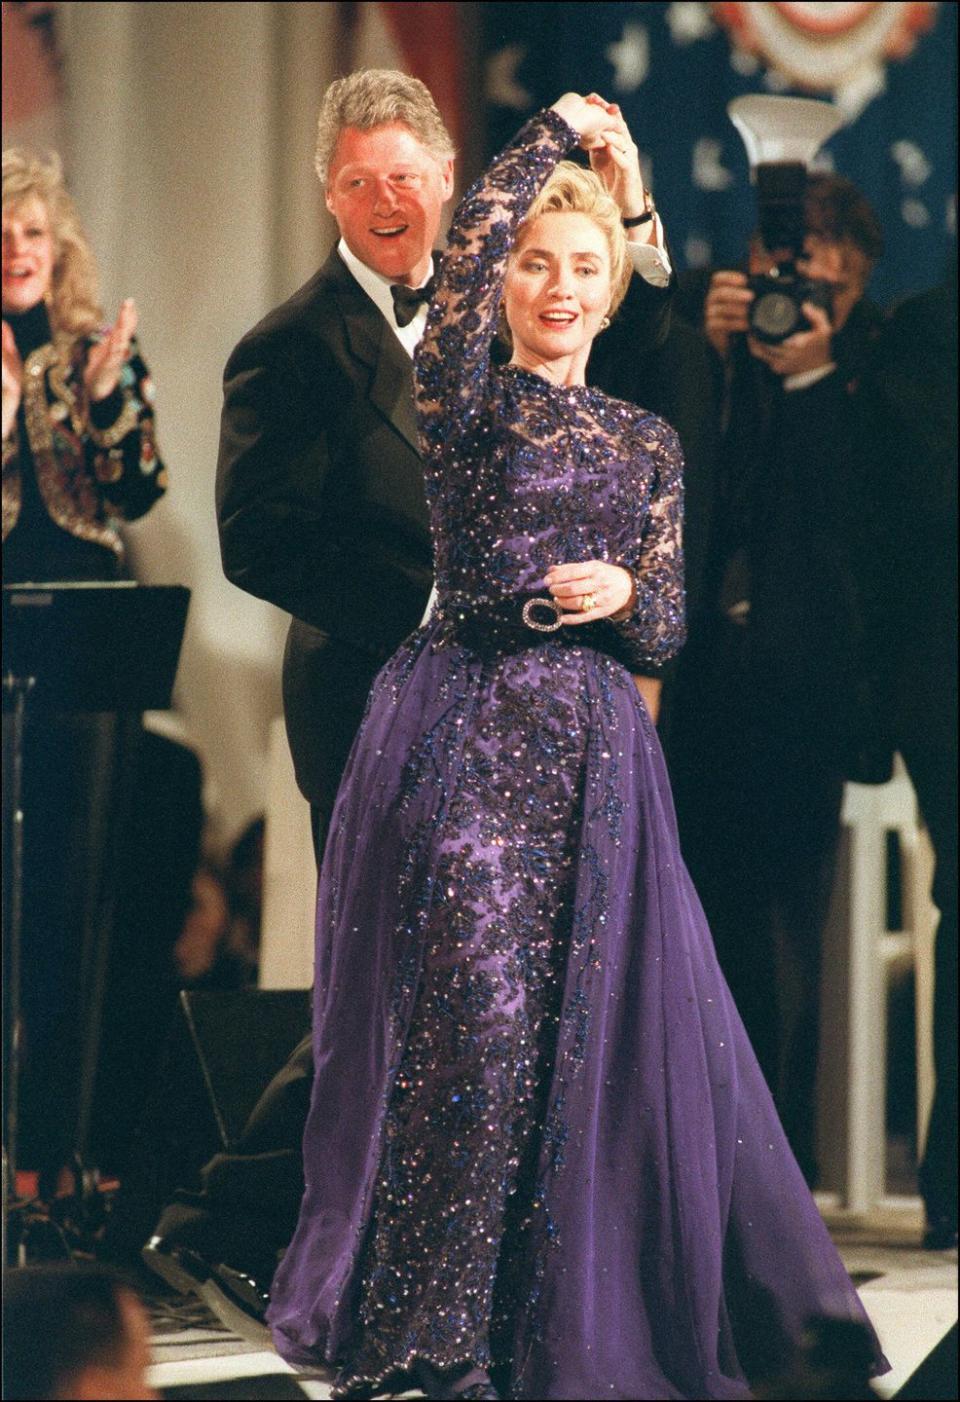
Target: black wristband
x,y
637,220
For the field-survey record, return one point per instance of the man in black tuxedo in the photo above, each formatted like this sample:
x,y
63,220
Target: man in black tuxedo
x,y
322,511
320,496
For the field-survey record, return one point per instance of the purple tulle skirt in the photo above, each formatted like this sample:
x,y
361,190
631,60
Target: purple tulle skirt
x,y
538,1137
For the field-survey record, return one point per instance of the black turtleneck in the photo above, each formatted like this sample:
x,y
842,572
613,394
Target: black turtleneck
x,y
31,329
37,549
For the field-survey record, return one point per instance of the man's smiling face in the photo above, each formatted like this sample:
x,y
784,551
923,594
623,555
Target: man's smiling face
x,y
386,191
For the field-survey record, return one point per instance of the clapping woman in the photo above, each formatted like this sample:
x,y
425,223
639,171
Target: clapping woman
x,y
78,442
78,456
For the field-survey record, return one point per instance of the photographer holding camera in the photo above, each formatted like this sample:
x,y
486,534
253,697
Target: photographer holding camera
x,y
842,242
771,712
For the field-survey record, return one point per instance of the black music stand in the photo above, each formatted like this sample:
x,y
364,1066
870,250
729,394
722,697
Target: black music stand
x,y
75,647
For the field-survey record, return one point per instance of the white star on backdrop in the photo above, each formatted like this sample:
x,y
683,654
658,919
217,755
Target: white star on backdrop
x,y
698,251
914,166
708,172
630,58
503,89
744,63
688,21
915,213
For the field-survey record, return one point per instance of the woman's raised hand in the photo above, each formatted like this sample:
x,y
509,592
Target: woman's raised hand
x,y
107,357
725,311
590,589
591,119
617,161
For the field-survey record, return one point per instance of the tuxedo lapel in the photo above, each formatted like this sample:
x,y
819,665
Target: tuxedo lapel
x,y
372,342
392,388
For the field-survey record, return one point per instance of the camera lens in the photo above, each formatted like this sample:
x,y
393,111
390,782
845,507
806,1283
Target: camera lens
x,y
774,315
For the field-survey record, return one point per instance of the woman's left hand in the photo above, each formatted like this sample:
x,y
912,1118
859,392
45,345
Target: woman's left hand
x,y
618,163
107,357
589,590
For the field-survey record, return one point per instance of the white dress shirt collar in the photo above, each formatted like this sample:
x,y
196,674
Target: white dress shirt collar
x,y
377,287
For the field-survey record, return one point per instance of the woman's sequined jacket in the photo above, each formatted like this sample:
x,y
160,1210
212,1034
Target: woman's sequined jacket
x,y
94,462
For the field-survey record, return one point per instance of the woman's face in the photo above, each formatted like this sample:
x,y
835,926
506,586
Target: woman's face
x,y
28,254
558,288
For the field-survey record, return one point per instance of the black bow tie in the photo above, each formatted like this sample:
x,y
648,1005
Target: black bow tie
x,y
407,300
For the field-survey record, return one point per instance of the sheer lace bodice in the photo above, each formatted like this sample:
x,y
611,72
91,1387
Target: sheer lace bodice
x,y
523,473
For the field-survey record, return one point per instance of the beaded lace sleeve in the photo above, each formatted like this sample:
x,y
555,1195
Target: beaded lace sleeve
x,y
656,629
453,359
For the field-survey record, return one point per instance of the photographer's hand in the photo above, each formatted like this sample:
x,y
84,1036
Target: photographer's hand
x,y
807,350
725,310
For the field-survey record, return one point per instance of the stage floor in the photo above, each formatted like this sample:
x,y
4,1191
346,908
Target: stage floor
x,y
909,1294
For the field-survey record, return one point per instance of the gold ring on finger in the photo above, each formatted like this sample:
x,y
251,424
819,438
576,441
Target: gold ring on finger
x,y
588,602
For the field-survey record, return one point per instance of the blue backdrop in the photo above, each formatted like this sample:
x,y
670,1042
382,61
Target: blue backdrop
x,y
673,71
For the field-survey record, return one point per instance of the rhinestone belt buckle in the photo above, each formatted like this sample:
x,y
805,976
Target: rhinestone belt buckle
x,y
544,605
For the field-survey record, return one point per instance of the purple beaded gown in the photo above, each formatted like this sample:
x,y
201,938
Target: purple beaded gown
x,y
538,1136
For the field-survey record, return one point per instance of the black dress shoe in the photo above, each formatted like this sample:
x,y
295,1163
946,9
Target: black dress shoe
x,y
233,1296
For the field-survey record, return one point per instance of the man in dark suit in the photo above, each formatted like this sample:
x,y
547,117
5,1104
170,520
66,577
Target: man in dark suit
x,y
320,496
770,714
322,510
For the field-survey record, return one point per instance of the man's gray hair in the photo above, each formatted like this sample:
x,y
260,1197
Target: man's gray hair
x,y
371,98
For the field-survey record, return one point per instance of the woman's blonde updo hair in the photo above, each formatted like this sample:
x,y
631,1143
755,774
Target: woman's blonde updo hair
x,y
73,304
572,189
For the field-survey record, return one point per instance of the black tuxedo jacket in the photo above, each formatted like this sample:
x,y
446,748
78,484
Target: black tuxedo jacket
x,y
321,503
321,506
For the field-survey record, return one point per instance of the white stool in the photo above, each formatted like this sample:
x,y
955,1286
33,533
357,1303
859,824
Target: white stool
x,y
860,955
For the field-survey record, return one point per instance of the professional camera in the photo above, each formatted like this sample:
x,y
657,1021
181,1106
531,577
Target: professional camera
x,y
782,134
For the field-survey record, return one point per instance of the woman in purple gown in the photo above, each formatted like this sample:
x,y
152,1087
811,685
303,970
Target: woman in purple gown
x,y
539,1142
